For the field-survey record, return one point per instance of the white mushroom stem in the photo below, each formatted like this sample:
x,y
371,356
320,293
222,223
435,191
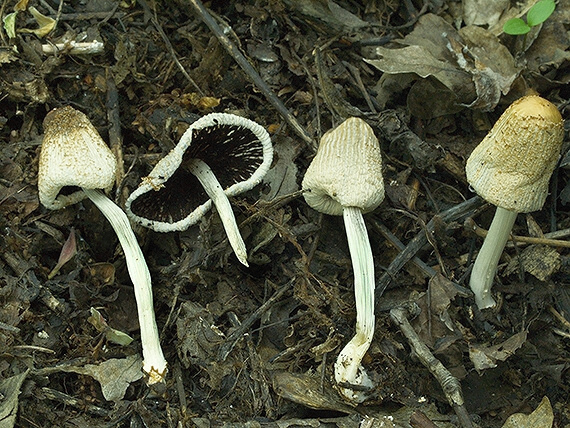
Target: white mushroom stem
x,y
216,193
485,266
348,370
154,364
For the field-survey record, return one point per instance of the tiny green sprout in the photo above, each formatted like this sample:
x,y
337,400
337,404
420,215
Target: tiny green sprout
x,y
536,15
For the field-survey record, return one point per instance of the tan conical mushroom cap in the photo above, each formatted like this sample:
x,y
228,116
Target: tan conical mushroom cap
x,y
512,166
346,171
72,154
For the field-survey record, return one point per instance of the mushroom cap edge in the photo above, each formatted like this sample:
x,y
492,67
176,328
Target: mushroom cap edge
x,y
166,167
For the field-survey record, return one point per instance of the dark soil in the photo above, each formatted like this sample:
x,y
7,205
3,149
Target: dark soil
x,y
257,345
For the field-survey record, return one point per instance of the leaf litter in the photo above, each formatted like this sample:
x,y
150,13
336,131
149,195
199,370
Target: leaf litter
x,y
259,344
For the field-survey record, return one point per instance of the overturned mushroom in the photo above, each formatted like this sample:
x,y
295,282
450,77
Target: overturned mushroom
x,y
345,178
220,155
73,156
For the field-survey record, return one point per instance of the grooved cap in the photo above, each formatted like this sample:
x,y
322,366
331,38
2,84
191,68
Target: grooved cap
x,y
512,166
346,171
73,154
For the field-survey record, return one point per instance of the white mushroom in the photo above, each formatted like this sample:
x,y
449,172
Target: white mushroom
x,y
511,169
345,178
73,156
226,154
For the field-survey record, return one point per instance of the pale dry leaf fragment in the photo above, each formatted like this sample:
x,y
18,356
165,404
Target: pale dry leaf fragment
x,y
327,11
483,12
486,357
45,23
114,375
541,417
471,63
198,337
434,322
540,261
490,64
419,60
9,391
282,177
305,389
425,53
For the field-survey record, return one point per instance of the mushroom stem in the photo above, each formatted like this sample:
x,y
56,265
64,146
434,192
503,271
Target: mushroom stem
x,y
347,367
485,266
154,364
216,193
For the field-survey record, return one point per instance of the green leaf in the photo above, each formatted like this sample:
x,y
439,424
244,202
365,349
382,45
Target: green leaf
x,y
112,335
10,24
118,337
540,12
515,26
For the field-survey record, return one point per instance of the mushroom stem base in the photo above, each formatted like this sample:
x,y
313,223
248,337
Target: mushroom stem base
x,y
216,193
348,370
154,363
485,266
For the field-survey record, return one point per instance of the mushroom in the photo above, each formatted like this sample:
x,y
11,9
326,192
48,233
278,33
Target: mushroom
x,y
219,155
74,157
511,169
345,178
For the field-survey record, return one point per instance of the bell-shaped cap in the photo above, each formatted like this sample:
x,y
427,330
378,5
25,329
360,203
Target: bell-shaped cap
x,y
346,171
73,155
512,166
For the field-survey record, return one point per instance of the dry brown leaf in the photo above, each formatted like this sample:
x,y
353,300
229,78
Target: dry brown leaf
x,y
542,417
486,357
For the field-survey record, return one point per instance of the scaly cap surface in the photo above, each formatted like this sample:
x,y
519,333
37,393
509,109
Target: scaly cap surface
x,y
72,154
346,171
512,166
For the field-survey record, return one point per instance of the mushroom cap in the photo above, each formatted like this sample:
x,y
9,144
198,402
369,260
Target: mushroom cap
x,y
73,154
346,171
512,166
239,152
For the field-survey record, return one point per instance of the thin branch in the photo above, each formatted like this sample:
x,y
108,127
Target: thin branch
x,y
449,384
458,211
246,66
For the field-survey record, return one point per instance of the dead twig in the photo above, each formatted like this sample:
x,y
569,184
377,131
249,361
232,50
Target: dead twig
x,y
169,47
428,271
458,211
68,400
398,245
242,329
115,137
246,66
449,384
470,225
560,317
420,420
